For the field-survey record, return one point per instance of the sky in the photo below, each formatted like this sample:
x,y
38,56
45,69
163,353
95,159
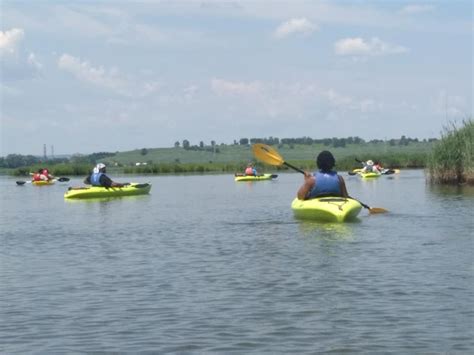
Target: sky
x,y
93,76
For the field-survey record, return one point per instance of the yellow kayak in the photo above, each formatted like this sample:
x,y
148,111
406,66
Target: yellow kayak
x,y
384,171
242,177
43,182
132,189
327,209
369,175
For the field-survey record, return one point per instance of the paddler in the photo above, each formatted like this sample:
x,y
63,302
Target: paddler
x,y
370,167
250,170
98,178
42,175
325,181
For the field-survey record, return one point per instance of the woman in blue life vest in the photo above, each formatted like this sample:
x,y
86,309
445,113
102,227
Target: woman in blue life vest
x,y
98,178
325,182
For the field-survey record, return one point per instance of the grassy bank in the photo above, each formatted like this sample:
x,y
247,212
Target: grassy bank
x,y
234,158
451,161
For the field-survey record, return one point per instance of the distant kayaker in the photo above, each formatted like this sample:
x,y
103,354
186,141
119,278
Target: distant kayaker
x,y
370,167
42,175
250,170
378,167
98,178
325,182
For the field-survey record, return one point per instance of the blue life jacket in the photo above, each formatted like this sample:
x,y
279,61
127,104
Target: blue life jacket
x,y
95,179
326,184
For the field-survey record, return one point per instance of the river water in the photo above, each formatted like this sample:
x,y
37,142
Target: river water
x,y
207,265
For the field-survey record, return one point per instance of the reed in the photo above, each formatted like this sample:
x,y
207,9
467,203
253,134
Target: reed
x,y
451,161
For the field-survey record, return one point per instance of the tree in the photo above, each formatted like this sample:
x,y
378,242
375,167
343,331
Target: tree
x,y
144,151
201,144
244,141
185,144
176,144
403,141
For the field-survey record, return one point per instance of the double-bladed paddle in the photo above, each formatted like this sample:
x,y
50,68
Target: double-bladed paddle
x,y
270,156
61,179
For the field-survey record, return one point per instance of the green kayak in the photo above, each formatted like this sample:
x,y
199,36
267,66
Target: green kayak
x,y
328,209
132,189
242,177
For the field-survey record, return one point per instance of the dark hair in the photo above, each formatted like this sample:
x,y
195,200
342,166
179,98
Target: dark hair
x,y
325,161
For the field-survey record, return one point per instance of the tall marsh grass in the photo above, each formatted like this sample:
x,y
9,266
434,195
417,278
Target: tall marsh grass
x,y
452,158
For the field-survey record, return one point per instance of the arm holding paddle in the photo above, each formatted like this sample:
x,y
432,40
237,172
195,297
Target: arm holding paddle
x,y
309,182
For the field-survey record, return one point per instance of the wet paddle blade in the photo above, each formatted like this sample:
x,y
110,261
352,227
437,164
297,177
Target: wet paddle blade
x,y
21,182
374,210
63,179
267,154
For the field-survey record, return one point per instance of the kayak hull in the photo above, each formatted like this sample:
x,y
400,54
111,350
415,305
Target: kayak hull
x,y
369,175
326,209
384,171
132,189
254,178
43,182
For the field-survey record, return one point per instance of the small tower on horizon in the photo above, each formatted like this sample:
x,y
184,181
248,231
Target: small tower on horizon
x,y
44,152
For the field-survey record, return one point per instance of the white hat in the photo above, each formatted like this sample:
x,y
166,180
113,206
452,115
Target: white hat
x,y
98,167
370,162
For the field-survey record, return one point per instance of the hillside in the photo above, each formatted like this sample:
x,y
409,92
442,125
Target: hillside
x,y
242,153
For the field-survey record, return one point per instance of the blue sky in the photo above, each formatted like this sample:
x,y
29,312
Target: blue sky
x,y
89,76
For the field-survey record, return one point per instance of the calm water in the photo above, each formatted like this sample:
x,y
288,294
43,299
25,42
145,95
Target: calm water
x,y
205,264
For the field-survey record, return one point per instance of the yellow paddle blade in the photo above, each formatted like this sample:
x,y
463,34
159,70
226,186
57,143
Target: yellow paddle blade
x,y
377,210
267,154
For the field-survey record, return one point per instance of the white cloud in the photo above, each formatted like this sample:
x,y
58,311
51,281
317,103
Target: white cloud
x,y
16,64
98,76
34,62
359,47
224,87
10,39
294,26
416,9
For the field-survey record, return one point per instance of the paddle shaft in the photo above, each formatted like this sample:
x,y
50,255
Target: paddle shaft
x,y
293,167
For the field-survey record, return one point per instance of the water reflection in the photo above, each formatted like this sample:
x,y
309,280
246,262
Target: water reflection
x,y
451,190
327,231
105,200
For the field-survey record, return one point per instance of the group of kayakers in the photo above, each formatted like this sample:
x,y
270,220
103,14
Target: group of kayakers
x,y
97,177
323,182
372,167
42,175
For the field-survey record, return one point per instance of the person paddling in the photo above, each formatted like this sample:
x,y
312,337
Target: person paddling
x,y
42,175
250,170
98,178
325,182
370,167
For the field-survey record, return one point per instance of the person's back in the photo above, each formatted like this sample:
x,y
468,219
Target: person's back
x,y
325,182
250,170
368,166
37,175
